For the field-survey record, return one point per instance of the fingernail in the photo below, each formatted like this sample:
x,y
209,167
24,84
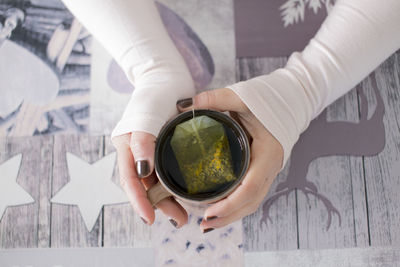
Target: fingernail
x,y
185,103
142,168
143,220
207,230
209,218
173,222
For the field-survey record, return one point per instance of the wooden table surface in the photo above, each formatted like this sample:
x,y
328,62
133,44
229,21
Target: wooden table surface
x,y
364,189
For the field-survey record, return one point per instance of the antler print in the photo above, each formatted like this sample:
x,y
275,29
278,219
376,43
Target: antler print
x,y
324,138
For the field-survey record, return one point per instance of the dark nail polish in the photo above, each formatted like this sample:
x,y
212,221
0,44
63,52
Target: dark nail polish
x,y
185,103
207,230
173,222
211,218
143,220
142,168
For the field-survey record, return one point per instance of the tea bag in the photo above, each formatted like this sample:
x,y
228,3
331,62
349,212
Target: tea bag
x,y
202,150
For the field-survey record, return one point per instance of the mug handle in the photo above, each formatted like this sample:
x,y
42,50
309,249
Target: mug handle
x,y
157,193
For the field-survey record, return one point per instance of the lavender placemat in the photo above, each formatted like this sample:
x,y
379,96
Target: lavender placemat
x,y
276,27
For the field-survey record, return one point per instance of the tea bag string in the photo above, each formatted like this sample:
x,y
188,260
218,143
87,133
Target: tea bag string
x,y
196,132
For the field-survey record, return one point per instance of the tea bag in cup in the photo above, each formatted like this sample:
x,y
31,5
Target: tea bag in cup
x,y
201,148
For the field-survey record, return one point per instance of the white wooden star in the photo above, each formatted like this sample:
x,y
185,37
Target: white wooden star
x,y
11,193
90,187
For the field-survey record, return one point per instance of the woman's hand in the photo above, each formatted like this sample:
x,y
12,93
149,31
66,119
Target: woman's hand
x,y
136,169
136,166
265,159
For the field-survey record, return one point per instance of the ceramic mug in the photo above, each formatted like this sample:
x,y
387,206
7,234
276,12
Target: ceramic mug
x,y
167,168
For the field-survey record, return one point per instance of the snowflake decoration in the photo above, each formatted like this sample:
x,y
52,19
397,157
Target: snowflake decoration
x,y
292,11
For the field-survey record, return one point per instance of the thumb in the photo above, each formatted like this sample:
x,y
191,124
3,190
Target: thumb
x,y
142,145
219,99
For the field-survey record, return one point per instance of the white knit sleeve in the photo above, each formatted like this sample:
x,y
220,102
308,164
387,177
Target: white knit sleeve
x,y
133,33
354,39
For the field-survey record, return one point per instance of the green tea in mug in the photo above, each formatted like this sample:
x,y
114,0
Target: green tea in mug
x,y
202,156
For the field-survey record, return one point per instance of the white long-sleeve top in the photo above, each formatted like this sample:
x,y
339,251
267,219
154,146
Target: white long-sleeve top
x,y
354,39
134,35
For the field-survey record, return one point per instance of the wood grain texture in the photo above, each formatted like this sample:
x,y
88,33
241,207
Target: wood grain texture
x,y
281,232
67,226
337,178
363,189
27,226
354,257
382,173
45,185
122,227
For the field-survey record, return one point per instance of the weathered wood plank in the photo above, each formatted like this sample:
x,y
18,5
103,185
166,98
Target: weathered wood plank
x,y
247,68
382,172
122,227
354,257
28,225
45,178
281,231
360,197
339,179
67,226
333,176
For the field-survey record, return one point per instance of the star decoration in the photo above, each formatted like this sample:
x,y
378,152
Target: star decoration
x,y
11,193
90,187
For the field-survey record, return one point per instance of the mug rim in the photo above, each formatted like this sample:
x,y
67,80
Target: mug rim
x,y
241,138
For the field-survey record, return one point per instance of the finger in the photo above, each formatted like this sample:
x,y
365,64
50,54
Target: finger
x,y
121,141
143,145
253,181
238,214
149,181
176,214
219,99
132,186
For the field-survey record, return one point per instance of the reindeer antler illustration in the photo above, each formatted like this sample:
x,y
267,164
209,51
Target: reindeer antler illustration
x,y
323,138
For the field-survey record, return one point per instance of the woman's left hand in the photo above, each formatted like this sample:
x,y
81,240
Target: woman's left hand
x,y
265,159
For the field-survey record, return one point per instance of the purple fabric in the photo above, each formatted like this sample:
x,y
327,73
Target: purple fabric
x,y
117,79
260,30
195,53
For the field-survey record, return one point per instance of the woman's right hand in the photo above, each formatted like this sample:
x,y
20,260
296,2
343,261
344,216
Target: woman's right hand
x,y
136,169
134,35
